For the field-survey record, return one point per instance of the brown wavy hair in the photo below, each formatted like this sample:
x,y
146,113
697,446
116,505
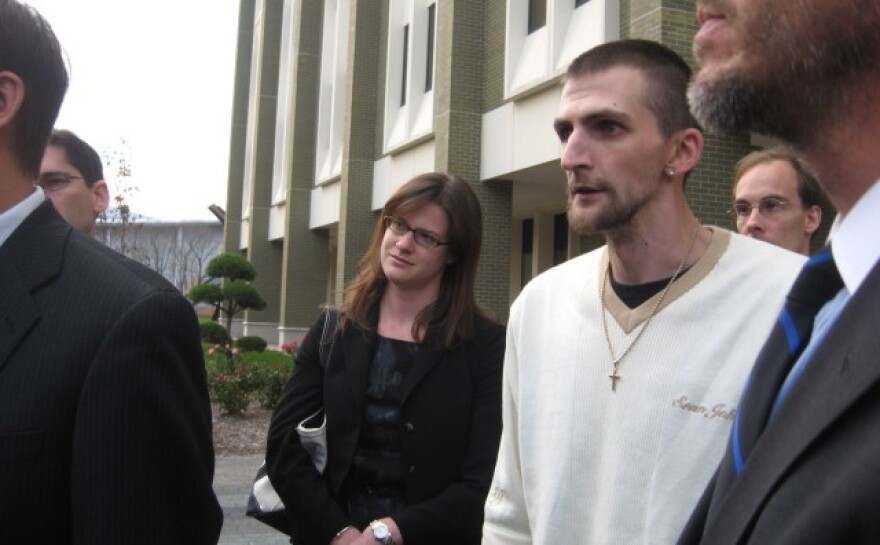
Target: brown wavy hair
x,y
454,310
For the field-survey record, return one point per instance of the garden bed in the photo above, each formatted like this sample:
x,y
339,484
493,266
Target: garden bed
x,y
241,433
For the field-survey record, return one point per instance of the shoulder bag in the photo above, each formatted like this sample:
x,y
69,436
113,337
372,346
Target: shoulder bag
x,y
264,504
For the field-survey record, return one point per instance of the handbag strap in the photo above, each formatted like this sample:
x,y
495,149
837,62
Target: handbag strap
x,y
331,317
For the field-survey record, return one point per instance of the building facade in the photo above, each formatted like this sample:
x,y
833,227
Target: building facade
x,y
178,250
339,102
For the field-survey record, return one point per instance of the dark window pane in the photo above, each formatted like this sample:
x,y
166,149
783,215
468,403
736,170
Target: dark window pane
x,y
537,14
429,61
404,74
560,238
525,264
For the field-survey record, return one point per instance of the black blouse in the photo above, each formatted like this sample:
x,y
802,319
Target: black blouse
x,y
376,483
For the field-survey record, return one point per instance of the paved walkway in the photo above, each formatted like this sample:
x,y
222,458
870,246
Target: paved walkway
x,y
232,481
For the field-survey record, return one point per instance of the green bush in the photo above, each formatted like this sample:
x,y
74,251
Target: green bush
x,y
251,344
229,392
271,383
213,333
235,377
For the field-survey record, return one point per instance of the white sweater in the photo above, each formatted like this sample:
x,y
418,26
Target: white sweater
x,y
580,464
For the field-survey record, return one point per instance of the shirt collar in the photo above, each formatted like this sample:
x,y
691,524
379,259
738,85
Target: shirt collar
x,y
854,240
12,218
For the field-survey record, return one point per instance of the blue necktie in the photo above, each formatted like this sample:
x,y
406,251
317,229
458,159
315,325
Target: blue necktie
x,y
817,283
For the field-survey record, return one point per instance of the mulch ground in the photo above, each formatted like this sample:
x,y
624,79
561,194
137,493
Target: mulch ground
x,y
243,433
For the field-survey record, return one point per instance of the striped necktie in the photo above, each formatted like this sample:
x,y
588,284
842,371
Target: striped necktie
x,y
816,284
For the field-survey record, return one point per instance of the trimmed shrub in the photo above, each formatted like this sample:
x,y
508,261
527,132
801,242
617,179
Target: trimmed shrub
x,y
251,344
229,392
214,333
272,382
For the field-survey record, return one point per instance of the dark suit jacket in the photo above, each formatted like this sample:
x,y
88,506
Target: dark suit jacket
x,y
814,474
450,423
105,424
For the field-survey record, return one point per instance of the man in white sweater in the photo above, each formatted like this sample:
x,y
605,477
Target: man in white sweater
x,y
624,366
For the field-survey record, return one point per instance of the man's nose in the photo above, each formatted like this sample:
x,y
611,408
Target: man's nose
x,y
575,152
754,221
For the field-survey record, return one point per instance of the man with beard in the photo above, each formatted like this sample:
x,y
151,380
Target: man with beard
x,y
804,456
623,366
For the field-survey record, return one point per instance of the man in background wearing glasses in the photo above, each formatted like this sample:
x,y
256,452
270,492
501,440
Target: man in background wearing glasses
x,y
777,199
72,177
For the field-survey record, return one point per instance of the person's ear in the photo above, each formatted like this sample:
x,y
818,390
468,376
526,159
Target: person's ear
x,y
100,196
11,97
685,151
813,220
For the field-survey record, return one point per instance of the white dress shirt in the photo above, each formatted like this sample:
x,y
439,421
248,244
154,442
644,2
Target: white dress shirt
x,y
12,218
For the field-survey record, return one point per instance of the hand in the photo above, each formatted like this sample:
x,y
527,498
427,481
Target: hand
x,y
352,535
395,531
367,537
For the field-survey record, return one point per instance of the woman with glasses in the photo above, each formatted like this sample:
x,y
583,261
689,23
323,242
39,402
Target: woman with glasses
x,y
410,386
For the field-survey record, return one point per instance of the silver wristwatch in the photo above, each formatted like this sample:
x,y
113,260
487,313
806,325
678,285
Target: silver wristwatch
x,y
381,533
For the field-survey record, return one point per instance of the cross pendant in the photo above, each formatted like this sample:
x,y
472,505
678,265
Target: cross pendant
x,y
614,378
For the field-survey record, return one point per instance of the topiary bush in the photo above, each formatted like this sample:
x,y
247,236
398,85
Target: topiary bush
x,y
214,333
251,343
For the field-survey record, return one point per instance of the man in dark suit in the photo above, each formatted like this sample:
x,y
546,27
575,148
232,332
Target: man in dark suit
x,y
105,425
803,464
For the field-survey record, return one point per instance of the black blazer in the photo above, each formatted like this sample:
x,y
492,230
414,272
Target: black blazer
x,y
813,477
450,429
105,424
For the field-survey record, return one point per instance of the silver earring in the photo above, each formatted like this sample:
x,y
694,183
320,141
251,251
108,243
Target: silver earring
x,y
669,171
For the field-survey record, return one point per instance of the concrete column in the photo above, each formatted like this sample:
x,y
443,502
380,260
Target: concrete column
x,y
238,132
305,255
458,110
264,254
356,220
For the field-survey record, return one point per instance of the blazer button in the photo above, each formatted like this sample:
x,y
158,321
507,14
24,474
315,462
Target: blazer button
x,y
412,469
408,427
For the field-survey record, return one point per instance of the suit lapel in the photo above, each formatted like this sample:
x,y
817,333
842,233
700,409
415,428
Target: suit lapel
x,y
840,372
18,312
31,256
428,355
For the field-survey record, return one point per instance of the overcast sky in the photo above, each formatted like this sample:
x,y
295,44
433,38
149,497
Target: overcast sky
x,y
157,75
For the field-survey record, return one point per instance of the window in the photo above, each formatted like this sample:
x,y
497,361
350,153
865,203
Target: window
x,y
405,65
429,54
525,264
281,170
537,14
409,83
332,94
543,37
560,238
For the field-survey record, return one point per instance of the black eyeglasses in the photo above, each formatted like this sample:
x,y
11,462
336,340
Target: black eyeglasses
x,y
420,236
55,181
766,207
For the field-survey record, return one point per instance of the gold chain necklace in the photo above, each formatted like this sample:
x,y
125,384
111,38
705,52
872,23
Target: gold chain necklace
x,y
615,360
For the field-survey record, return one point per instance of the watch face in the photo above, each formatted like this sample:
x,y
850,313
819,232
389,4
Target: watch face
x,y
381,531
